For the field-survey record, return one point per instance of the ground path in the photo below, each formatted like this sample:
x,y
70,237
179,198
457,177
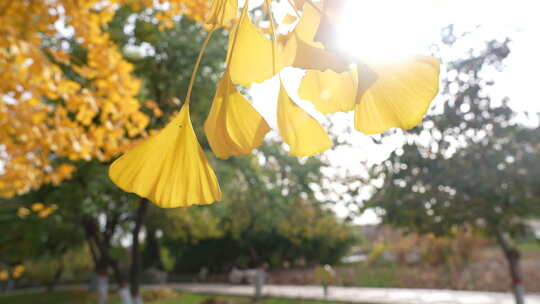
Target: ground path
x,y
358,294
346,294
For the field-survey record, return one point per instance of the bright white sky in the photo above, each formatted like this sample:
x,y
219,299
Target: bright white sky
x,y
386,28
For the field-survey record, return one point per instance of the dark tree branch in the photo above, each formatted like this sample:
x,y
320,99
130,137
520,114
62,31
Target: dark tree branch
x,y
135,247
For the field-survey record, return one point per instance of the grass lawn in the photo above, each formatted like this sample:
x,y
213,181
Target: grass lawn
x,y
530,249
168,297
376,275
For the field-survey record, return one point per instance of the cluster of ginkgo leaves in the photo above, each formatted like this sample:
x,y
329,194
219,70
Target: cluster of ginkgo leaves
x,y
58,105
172,170
40,210
15,273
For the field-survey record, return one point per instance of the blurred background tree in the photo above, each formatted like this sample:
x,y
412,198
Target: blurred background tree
x,y
472,166
270,216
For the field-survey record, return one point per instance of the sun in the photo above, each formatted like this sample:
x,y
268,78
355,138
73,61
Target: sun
x,y
386,30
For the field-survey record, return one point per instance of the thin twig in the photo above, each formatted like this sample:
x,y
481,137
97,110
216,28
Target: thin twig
x,y
236,30
197,64
294,8
273,28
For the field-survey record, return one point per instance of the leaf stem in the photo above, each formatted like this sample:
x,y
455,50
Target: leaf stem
x,y
273,28
198,63
294,8
236,30
316,7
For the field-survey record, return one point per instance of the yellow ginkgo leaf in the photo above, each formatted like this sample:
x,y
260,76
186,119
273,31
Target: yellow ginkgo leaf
x,y
329,91
288,19
233,126
304,135
300,54
222,12
250,54
170,168
399,97
301,51
299,3
308,24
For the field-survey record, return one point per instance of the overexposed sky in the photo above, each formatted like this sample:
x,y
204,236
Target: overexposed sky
x,y
389,28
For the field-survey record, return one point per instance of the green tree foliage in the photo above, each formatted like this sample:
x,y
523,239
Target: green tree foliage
x,y
89,197
271,215
164,60
32,233
473,166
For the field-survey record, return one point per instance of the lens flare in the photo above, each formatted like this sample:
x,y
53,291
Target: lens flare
x,y
385,30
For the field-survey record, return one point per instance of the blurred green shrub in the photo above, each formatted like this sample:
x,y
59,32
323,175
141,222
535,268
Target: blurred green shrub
x,y
75,265
302,235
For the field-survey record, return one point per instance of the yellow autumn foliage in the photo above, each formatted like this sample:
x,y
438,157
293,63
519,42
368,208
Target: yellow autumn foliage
x,y
44,113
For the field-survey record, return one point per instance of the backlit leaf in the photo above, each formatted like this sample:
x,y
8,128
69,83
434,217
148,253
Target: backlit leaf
x,y
250,56
399,97
222,12
329,91
301,51
299,54
169,168
304,135
233,126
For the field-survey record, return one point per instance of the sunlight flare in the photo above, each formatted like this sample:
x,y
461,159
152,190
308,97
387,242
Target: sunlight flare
x,y
385,30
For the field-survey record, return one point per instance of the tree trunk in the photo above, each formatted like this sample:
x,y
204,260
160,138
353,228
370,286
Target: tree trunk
x,y
135,271
10,285
123,293
102,246
102,286
57,276
513,257
100,283
151,256
123,287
